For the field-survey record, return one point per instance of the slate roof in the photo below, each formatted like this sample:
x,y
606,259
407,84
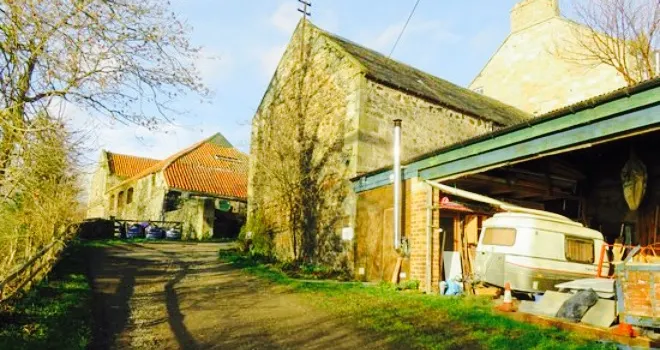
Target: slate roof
x,y
126,166
211,166
386,71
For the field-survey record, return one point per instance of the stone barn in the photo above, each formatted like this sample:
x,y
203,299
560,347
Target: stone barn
x,y
355,95
203,186
541,66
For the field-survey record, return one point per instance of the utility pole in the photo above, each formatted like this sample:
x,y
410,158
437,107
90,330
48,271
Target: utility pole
x,y
305,13
305,5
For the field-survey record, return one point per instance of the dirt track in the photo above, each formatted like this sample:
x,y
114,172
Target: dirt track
x,y
178,295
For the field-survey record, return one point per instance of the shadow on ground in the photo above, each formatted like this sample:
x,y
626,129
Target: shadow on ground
x,y
180,296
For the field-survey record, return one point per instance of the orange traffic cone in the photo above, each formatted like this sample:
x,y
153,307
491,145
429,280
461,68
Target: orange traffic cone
x,y
625,329
507,303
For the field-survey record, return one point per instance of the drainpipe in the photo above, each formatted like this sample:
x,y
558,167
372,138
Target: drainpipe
x,y
429,237
397,184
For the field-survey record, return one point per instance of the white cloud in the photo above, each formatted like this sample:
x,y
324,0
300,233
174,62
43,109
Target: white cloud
x,y
286,16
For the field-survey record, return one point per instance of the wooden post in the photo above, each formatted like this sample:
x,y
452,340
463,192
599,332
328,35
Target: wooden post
x,y
465,259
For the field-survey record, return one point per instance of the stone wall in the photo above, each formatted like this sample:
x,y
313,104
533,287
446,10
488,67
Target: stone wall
x,y
425,126
538,67
197,215
146,203
331,99
527,13
97,205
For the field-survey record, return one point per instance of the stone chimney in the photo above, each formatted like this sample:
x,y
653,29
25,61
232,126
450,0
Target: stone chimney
x,y
527,13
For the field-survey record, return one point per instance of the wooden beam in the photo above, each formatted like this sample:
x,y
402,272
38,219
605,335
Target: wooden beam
x,y
536,130
579,136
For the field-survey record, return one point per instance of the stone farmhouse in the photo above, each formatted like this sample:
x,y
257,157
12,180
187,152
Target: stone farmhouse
x,y
203,186
360,92
537,68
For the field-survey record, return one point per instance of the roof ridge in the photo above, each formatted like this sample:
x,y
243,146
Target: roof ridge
x,y
130,155
373,63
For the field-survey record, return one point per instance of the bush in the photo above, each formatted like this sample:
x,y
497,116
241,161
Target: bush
x,y
408,285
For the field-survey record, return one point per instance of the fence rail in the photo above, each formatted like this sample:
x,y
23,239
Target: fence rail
x,y
24,275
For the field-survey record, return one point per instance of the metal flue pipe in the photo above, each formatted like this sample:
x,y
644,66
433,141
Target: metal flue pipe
x,y
397,183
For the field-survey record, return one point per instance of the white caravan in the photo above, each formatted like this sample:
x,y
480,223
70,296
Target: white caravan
x,y
536,252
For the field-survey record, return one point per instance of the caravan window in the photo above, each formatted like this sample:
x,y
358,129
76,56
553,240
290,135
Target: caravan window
x,y
579,250
499,236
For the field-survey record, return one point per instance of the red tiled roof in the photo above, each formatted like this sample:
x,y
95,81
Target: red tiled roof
x,y
127,166
207,167
210,169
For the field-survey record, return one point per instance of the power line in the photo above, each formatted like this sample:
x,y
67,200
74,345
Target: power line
x,y
404,28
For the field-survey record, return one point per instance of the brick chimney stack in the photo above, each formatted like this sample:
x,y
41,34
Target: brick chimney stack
x,y
527,13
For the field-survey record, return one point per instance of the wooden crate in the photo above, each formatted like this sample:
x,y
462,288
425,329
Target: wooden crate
x,y
638,293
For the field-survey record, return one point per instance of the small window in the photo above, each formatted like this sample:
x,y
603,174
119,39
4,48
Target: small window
x,y
579,250
129,196
173,201
499,236
120,200
111,204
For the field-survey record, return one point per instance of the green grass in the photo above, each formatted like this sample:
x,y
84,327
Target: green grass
x,y
55,314
415,320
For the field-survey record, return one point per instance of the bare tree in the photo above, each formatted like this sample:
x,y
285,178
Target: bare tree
x,y
299,168
623,34
39,200
125,59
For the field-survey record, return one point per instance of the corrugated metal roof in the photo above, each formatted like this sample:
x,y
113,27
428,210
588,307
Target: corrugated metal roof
x,y
126,166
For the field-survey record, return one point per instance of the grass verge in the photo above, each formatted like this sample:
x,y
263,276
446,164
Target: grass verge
x,y
413,320
55,314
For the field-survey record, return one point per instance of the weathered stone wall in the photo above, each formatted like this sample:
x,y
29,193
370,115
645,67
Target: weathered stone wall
x,y
97,205
425,126
537,67
197,214
147,201
331,97
527,13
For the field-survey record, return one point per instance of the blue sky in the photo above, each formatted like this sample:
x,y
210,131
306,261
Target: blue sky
x,y
243,40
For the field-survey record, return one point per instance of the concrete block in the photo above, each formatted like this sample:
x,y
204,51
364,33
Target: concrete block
x,y
551,302
528,307
602,314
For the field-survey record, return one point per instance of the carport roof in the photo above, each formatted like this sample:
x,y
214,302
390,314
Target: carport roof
x,y
621,113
